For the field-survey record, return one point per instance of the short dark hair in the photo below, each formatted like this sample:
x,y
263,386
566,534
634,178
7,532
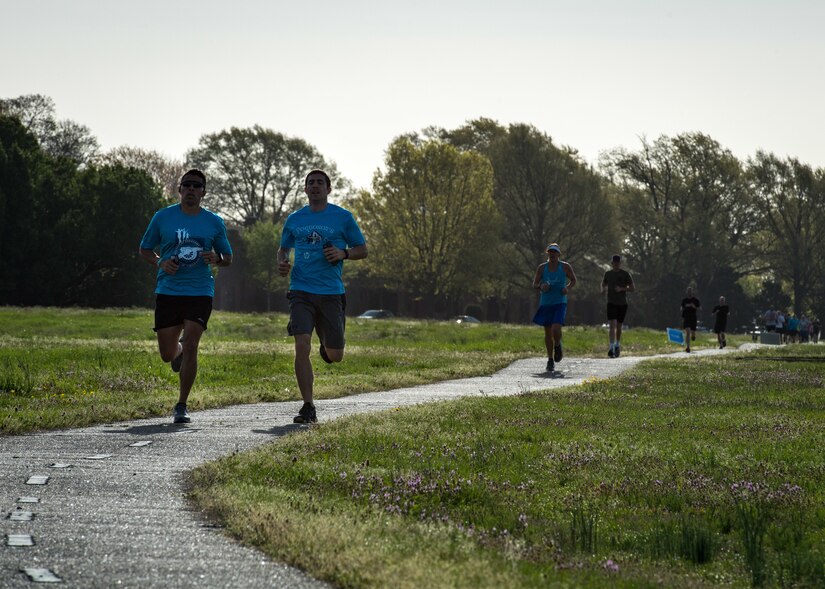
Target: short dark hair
x,y
195,172
329,182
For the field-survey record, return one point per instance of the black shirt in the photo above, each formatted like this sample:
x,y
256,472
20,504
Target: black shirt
x,y
690,312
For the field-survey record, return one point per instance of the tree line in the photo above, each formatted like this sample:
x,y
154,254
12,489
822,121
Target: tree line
x,y
457,215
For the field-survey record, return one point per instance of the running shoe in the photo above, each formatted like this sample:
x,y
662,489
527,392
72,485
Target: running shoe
x,y
181,415
557,353
323,352
618,351
611,353
687,349
306,414
551,366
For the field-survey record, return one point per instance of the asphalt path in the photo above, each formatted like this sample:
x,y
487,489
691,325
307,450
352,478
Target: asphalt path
x,y
105,506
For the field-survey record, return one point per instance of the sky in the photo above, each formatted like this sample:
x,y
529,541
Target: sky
x,y
349,76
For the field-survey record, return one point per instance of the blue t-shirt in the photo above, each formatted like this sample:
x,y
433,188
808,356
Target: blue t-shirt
x,y
186,236
307,231
557,281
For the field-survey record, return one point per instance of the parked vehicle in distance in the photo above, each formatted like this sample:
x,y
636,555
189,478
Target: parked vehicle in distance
x,y
752,330
376,314
465,319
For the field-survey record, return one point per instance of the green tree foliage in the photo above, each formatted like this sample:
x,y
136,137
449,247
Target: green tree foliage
x,y
547,194
791,197
59,138
543,193
65,235
166,172
686,217
430,219
262,241
256,174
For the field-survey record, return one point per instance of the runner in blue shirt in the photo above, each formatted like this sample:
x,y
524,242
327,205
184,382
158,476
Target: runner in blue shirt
x,y
323,235
190,239
553,279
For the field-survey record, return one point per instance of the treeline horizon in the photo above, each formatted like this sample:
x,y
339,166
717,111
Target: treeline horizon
x,y
457,217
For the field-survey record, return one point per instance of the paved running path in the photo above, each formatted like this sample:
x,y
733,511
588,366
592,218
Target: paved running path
x,y
113,512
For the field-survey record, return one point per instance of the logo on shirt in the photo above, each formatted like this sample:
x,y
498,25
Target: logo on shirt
x,y
314,238
188,248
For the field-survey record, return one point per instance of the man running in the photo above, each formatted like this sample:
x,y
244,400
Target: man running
x,y
617,283
191,238
323,236
553,279
690,305
721,323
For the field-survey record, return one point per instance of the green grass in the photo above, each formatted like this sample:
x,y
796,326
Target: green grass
x,y
72,367
692,473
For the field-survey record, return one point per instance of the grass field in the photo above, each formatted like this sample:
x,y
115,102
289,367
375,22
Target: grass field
x,y
72,367
681,473
699,473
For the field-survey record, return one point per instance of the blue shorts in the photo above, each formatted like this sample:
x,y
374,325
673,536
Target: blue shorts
x,y
551,314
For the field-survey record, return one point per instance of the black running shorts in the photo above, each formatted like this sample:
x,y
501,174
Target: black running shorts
x,y
173,310
616,312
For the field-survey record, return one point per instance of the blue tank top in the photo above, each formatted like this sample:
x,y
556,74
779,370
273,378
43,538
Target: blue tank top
x,y
557,281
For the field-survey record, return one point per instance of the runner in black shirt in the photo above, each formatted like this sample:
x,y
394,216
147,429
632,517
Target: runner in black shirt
x,y
720,325
690,304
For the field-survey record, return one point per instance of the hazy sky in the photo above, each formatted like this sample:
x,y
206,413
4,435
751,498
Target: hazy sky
x,y
349,76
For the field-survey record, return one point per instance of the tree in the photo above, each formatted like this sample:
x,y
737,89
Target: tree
x,y
792,198
686,217
64,239
543,193
164,171
257,174
430,219
262,241
20,163
59,138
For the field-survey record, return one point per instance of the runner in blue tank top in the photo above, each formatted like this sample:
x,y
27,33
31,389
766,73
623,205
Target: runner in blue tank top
x,y
553,279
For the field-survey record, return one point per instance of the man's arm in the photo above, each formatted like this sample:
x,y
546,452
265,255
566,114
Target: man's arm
x,y
571,277
630,287
359,252
149,255
283,260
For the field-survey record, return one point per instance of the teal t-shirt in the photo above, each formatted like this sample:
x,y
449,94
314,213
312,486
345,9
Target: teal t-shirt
x,y
186,236
306,231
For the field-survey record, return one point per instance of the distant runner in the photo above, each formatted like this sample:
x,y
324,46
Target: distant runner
x,y
553,279
720,325
690,305
617,283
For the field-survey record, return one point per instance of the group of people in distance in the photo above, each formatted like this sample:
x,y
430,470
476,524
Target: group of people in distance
x,y
185,239
554,278
790,328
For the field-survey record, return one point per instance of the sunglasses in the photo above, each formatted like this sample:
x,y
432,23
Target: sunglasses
x,y
191,184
